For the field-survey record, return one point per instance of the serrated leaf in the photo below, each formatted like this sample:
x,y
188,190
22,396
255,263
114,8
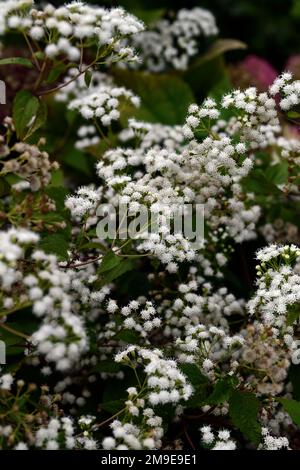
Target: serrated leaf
x,y
292,407
222,391
124,266
194,374
55,244
243,410
200,383
109,261
17,61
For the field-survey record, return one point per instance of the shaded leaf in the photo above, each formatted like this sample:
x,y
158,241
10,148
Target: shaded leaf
x,y
292,407
243,410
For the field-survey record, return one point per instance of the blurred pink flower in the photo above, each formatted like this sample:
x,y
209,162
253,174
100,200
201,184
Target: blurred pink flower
x,y
253,71
293,65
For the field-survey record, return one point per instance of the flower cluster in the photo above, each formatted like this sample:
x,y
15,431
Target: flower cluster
x,y
173,41
66,30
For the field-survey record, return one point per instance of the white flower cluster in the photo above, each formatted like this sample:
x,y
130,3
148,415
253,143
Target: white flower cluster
x,y
173,42
83,202
207,347
288,88
103,103
66,30
6,381
139,315
278,293
165,382
217,441
59,433
191,307
130,436
254,118
273,443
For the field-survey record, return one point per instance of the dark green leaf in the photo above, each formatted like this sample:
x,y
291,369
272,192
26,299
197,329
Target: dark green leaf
x,y
243,410
128,336
164,98
292,407
55,244
109,261
4,187
107,366
222,391
117,271
294,377
113,406
55,72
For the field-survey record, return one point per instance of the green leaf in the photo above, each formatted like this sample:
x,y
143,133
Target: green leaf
x,y
200,383
88,78
58,194
76,159
278,173
164,98
25,108
109,261
4,187
17,61
293,115
55,244
107,366
243,410
29,113
258,183
294,377
125,265
113,406
128,336
40,118
219,47
56,72
193,374
292,407
222,391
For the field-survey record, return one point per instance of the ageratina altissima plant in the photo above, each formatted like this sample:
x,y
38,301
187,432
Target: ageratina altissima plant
x,y
157,342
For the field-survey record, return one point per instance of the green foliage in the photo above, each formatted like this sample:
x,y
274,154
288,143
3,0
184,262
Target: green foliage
x,y
243,410
292,407
164,98
17,61
29,114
